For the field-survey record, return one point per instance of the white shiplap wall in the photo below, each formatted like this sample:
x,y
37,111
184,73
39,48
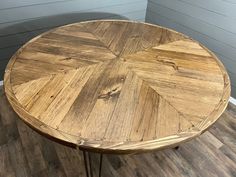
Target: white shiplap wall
x,y
20,20
212,22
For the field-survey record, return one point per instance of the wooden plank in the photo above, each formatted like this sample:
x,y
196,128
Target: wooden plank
x,y
52,160
219,21
13,42
228,63
210,164
226,8
59,20
31,146
17,157
16,4
71,160
214,45
6,53
6,168
221,33
232,78
20,38
67,6
224,125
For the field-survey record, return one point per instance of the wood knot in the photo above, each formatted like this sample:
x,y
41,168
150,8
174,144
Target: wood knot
x,y
165,61
134,36
113,93
67,58
122,79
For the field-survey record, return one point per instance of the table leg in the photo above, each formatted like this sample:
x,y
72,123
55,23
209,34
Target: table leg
x,y
88,164
176,148
100,165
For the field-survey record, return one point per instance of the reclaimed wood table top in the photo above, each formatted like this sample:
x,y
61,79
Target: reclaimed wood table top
x,y
116,86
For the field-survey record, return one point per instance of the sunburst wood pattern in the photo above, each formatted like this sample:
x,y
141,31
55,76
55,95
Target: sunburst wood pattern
x,y
117,86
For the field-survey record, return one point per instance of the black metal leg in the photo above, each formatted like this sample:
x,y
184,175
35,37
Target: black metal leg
x,y
177,147
88,164
100,165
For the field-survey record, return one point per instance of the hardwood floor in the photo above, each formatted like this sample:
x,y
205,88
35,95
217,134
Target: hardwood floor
x,y
24,153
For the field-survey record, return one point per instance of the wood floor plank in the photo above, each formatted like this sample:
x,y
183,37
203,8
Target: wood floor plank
x,y
6,168
18,159
52,161
30,142
205,160
181,163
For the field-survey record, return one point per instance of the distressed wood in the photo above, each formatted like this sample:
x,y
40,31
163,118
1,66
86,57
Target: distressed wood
x,y
23,152
117,86
204,21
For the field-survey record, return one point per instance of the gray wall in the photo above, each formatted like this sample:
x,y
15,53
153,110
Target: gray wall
x,y
20,20
212,22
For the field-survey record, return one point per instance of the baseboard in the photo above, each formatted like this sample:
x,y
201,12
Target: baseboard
x,y
231,99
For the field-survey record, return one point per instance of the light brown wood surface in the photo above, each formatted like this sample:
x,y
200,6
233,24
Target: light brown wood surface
x,y
116,86
24,153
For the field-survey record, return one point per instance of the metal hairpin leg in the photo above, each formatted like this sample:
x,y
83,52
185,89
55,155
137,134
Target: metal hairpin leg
x,y
176,148
88,164
100,166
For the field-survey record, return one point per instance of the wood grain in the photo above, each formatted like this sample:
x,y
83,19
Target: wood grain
x,y
117,86
24,153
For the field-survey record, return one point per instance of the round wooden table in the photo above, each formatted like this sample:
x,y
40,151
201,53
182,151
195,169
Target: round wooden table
x,y
113,86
